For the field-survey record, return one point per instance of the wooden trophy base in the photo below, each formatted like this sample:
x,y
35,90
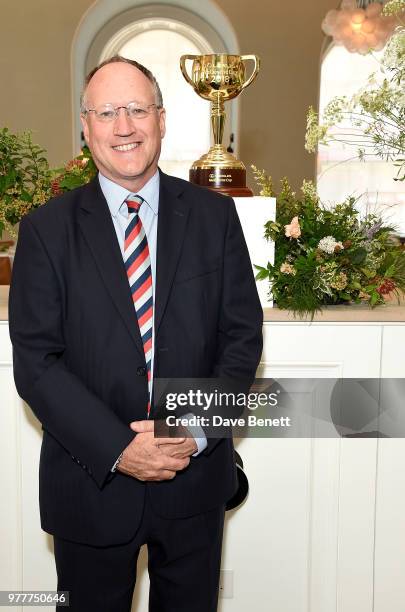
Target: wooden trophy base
x,y
229,181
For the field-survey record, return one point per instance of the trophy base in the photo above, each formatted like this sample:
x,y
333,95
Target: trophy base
x,y
221,171
229,181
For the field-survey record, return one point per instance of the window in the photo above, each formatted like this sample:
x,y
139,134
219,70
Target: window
x,y
343,73
157,34
159,44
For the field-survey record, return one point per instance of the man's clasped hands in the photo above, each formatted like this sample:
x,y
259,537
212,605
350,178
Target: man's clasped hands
x,y
155,458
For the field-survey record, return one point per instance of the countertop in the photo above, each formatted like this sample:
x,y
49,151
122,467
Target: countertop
x,y
391,312
4,302
345,313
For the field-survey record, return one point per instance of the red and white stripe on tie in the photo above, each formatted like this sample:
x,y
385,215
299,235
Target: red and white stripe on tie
x,y
139,272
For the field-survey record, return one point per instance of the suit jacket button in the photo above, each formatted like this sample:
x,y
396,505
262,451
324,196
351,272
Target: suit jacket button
x,y
141,371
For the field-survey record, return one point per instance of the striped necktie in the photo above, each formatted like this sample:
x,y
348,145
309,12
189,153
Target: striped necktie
x,y
139,272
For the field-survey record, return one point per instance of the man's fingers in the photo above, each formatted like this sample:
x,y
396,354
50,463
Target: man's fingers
x,y
149,427
174,464
161,441
166,475
142,426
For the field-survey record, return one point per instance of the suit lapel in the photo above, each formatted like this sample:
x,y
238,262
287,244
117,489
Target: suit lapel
x,y
172,222
98,229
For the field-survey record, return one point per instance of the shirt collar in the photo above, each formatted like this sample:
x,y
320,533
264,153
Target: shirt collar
x,y
116,194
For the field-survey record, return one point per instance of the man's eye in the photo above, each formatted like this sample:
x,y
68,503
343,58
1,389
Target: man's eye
x,y
108,114
138,112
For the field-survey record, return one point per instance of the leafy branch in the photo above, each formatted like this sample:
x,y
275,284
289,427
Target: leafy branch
x,y
373,119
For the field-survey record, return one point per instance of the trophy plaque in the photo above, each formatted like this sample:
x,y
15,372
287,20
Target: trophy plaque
x,y
219,78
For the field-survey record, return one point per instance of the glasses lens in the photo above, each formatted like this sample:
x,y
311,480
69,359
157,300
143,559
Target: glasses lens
x,y
136,112
105,112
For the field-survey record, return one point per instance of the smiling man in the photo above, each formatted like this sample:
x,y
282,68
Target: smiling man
x,y
135,276
125,149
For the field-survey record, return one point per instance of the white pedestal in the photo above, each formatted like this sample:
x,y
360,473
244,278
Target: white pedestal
x,y
254,214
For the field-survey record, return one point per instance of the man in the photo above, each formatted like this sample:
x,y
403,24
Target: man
x,y
135,276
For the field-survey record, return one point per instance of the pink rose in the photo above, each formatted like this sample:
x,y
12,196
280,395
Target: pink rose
x,y
293,230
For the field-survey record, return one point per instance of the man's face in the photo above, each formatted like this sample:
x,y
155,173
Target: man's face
x,y
130,166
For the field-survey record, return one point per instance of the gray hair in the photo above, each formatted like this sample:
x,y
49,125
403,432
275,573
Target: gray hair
x,y
119,58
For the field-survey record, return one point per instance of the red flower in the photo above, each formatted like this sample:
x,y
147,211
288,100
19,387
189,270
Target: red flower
x,y
74,163
55,187
386,286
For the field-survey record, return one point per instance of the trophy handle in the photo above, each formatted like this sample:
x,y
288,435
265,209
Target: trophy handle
x,y
183,68
254,74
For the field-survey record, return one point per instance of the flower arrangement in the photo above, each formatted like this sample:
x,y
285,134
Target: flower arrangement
x,y
24,177
27,181
327,255
75,173
373,120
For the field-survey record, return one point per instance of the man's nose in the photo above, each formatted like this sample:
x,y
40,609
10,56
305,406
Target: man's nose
x,y
123,126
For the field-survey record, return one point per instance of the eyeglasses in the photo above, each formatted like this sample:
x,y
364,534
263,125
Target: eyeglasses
x,y
107,112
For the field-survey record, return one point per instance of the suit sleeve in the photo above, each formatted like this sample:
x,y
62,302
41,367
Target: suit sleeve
x,y
240,335
80,421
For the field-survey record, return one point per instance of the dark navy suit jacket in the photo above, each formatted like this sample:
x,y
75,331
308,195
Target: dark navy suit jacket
x,y
79,361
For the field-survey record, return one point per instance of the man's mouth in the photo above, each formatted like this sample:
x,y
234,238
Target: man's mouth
x,y
126,147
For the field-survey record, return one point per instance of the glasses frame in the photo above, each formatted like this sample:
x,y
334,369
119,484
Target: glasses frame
x,y
116,110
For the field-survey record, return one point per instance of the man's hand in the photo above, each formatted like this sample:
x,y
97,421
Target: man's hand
x,y
187,445
144,460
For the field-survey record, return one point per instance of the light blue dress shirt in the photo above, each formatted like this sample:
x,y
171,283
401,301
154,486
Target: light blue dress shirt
x,y
116,197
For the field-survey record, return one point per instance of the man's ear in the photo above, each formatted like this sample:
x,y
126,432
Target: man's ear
x,y
162,122
85,128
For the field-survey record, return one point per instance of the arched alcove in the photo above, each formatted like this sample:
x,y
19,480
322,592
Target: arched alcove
x,y
108,27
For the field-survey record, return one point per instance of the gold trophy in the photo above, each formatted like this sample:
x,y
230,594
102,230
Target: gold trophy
x,y
219,78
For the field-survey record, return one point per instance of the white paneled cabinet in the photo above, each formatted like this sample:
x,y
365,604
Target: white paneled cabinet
x,y
323,529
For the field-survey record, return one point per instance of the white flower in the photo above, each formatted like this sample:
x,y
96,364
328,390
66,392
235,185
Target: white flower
x,y
287,268
293,230
393,7
394,55
328,244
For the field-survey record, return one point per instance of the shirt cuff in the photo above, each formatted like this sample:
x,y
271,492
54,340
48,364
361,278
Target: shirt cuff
x,y
114,467
198,434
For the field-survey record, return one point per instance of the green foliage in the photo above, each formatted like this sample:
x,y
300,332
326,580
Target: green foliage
x,y
75,173
264,181
26,181
329,256
24,176
22,162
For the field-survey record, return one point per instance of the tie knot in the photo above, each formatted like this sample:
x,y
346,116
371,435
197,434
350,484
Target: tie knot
x,y
134,203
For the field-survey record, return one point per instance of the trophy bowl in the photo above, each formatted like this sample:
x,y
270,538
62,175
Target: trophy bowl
x,y
219,78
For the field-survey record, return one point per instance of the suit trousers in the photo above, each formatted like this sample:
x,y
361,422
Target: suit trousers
x,y
184,558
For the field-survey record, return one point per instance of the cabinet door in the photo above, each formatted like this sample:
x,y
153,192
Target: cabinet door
x,y
26,552
322,350
11,564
